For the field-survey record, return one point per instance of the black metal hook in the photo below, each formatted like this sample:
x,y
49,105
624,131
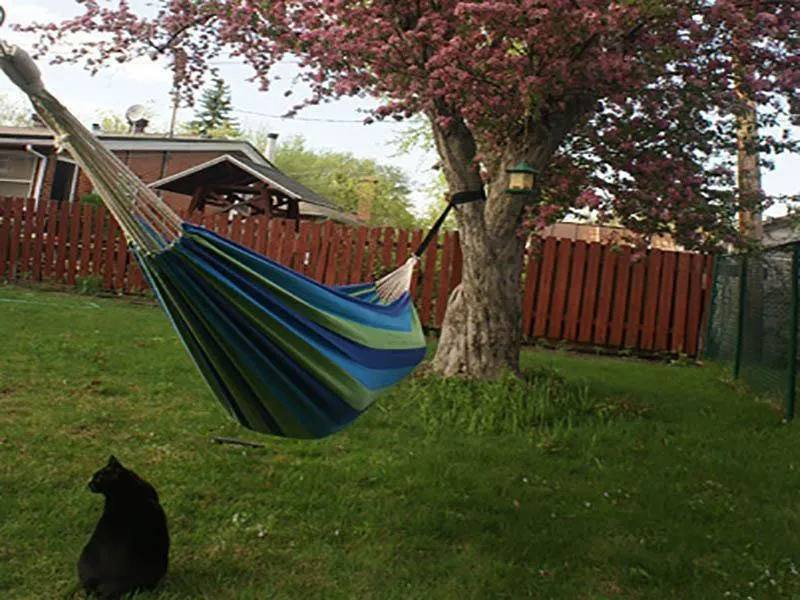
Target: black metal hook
x,y
2,15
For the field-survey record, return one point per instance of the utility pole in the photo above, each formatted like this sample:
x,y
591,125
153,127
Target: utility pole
x,y
748,172
751,334
175,101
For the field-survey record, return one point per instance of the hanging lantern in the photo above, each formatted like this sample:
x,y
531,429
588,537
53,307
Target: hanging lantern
x,y
522,179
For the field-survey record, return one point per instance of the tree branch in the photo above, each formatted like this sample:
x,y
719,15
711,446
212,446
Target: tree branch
x,y
204,20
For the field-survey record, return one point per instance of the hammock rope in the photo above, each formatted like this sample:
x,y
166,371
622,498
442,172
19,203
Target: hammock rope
x,y
284,354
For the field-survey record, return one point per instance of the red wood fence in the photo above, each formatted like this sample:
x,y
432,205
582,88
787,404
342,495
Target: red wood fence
x,y
579,292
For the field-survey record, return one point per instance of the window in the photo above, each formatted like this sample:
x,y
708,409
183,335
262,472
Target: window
x,y
17,172
63,179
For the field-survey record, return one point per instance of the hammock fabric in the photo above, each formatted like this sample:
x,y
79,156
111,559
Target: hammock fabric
x,y
284,354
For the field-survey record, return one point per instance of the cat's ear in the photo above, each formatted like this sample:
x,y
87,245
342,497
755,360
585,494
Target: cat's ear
x,y
112,461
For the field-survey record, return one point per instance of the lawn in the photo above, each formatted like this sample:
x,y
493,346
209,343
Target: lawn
x,y
601,478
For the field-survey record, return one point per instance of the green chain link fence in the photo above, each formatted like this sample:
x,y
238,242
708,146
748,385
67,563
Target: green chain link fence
x,y
753,324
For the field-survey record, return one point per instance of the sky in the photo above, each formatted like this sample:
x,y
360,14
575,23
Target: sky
x,y
332,126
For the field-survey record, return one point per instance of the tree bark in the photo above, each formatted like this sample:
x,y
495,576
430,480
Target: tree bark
x,y
482,330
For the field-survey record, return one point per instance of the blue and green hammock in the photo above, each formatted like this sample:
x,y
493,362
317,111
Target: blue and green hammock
x,y
284,354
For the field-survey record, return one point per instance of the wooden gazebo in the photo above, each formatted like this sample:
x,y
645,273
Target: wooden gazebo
x,y
229,183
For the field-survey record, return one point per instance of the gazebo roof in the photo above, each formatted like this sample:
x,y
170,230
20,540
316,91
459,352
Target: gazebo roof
x,y
228,170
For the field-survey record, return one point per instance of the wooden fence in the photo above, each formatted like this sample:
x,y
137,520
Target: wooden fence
x,y
579,292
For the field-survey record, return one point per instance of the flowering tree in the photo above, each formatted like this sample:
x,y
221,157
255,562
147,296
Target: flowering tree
x,y
627,107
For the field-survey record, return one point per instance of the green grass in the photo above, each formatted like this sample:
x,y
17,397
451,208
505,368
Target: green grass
x,y
596,479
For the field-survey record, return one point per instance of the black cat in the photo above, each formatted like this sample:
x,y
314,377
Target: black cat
x,y
129,548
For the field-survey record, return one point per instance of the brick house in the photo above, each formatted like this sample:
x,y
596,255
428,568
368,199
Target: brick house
x,y
30,166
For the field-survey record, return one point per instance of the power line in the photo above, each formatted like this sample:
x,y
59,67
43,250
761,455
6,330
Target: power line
x,y
313,119
215,63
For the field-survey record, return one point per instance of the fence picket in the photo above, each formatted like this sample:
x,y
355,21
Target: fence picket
x,y
356,269
704,305
63,240
558,304
620,312
548,263
16,223
650,306
249,233
74,243
40,219
681,303
99,240
51,242
633,323
111,242
27,237
121,263
425,304
529,293
444,279
302,253
387,261
695,303
665,322
6,207
575,290
416,240
402,246
374,235
589,300
606,296
86,239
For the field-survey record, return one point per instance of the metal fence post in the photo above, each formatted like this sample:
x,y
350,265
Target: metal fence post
x,y
792,376
712,305
737,361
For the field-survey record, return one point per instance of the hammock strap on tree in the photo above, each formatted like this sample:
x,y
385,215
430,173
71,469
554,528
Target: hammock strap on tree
x,y
400,279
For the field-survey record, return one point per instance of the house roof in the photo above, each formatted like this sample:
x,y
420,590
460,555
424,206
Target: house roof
x,y
789,220
143,142
247,172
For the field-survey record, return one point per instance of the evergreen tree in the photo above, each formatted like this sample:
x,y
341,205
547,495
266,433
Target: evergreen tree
x,y
213,116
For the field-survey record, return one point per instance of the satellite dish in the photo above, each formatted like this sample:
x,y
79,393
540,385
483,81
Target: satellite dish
x,y
134,113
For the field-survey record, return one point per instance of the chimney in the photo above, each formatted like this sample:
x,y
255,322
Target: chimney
x,y
272,143
140,125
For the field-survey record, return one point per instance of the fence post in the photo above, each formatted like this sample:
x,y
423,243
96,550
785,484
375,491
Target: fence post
x,y
790,383
737,361
712,304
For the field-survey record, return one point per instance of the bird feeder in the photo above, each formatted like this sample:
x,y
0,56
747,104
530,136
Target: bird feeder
x,y
522,179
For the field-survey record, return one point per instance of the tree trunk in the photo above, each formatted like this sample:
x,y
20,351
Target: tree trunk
x,y
482,330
